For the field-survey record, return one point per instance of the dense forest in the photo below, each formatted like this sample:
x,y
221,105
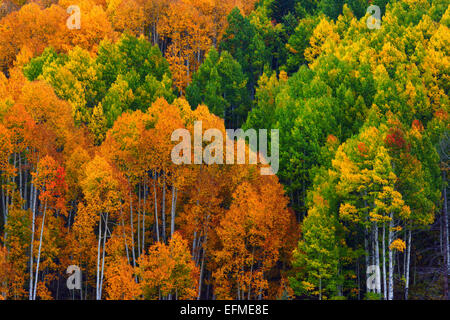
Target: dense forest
x,y
90,97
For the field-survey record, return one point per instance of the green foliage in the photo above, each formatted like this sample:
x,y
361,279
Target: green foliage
x,y
379,93
118,99
289,22
221,85
298,42
34,68
331,8
246,45
263,114
274,36
280,8
372,296
318,253
306,7
359,7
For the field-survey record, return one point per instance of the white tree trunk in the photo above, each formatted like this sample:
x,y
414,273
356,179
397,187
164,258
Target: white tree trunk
x,y
143,218
103,258
377,259
98,258
174,206
39,252
408,259
156,209
366,250
132,227
391,259
33,209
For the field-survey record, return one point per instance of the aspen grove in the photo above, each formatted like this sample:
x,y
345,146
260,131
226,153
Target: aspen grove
x,y
87,176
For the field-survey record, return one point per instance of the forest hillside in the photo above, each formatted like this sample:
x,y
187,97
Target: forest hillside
x,y
352,96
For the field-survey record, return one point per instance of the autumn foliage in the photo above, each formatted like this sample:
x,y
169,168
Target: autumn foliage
x,y
87,178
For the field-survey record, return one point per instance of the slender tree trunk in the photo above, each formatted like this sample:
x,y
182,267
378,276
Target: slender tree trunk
x,y
156,209
39,252
174,206
391,258
98,258
194,246
132,227
408,259
377,258
320,288
33,223
163,210
143,218
103,258
366,252
139,221
203,258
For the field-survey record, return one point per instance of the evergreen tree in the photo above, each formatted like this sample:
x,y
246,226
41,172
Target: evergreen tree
x,y
220,84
